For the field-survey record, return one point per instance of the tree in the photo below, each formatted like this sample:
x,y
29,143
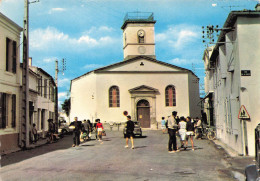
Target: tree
x,y
66,106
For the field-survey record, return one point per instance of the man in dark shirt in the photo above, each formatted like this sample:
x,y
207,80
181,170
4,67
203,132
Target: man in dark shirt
x,y
130,131
76,132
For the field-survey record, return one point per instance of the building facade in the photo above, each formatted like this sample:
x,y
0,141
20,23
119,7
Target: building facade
x,y
146,88
41,99
233,80
9,83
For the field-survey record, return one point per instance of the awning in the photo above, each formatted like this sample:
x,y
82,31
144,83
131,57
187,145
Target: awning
x,y
207,95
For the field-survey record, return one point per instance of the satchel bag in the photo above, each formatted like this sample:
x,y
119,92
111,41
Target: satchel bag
x,y
104,133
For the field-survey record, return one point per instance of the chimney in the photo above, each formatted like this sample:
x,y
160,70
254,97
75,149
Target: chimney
x,y
30,61
257,7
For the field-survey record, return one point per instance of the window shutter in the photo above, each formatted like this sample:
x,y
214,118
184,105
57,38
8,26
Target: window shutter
x,y
14,56
13,111
7,54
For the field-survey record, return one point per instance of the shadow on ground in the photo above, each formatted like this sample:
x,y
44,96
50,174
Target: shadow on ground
x,y
64,143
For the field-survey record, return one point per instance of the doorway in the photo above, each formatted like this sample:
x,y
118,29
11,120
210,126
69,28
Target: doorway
x,y
143,113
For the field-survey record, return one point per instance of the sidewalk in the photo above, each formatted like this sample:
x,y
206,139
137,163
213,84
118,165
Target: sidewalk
x,y
40,142
234,161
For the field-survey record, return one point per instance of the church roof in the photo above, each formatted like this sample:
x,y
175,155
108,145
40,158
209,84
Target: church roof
x,y
103,69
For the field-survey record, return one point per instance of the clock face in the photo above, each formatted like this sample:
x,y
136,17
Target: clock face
x,y
140,33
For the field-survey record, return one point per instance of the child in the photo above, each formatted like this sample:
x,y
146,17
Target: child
x,y
163,125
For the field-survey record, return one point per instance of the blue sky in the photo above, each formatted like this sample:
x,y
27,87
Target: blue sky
x,y
87,33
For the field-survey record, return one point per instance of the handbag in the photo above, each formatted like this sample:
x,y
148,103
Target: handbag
x,y
104,133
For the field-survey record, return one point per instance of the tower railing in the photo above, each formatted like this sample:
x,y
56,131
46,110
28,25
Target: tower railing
x,y
139,16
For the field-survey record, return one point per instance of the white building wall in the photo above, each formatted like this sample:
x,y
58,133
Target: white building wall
x,y
84,98
9,83
90,95
126,82
194,96
231,90
249,46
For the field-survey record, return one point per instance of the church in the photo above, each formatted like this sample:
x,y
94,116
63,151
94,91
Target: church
x,y
147,88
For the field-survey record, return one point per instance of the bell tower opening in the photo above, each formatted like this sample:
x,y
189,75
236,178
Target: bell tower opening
x,y
138,35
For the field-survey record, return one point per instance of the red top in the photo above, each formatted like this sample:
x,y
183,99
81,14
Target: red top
x,y
99,125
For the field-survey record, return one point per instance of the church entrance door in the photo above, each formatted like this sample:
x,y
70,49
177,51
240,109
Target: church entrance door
x,y
143,113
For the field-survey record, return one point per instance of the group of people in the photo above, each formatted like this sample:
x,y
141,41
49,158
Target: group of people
x,y
83,130
182,127
85,127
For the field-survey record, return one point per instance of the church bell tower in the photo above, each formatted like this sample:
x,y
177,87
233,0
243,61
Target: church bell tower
x,y
138,35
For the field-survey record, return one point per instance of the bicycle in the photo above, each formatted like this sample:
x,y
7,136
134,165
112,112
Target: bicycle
x,y
209,133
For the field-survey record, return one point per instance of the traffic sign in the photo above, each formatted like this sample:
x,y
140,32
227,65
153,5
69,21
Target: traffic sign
x,y
243,114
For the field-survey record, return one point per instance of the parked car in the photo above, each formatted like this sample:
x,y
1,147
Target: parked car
x,y
252,171
63,127
137,129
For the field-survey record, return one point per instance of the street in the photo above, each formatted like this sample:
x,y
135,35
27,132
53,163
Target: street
x,y
92,160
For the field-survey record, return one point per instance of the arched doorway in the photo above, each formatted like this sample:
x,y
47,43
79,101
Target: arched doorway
x,y
143,113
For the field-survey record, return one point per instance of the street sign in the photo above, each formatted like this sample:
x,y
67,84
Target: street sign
x,y
245,72
243,114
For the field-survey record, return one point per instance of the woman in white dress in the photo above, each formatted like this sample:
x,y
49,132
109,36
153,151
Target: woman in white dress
x,y
182,130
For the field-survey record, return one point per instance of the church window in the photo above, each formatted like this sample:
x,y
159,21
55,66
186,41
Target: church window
x,y
170,96
114,99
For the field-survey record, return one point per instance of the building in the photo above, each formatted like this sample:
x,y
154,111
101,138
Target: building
x,y
9,83
145,87
41,98
233,80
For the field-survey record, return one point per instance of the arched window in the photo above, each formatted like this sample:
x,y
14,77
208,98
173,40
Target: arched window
x,y
141,39
170,96
114,98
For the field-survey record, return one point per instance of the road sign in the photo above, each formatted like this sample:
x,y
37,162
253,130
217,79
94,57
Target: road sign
x,y
243,114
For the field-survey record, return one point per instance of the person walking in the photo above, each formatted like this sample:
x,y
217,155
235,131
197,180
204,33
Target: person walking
x,y
129,131
182,131
76,132
199,128
89,126
163,125
99,128
190,132
51,130
34,132
172,129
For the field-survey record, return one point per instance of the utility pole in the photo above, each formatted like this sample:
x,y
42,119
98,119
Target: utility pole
x,y
24,127
56,89
25,80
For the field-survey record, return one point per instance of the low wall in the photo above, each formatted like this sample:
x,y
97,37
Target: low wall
x,y
9,143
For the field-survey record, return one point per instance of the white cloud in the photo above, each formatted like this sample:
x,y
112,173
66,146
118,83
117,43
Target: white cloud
x,y
87,40
179,36
63,82
62,95
52,10
179,61
98,30
92,66
51,38
49,59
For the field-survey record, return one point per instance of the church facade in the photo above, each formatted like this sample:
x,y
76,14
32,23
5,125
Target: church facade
x,y
145,87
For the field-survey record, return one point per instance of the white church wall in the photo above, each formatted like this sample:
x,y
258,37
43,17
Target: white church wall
x,y
128,81
83,97
194,97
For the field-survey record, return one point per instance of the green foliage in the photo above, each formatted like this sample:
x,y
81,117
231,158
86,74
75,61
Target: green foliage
x,y
66,106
